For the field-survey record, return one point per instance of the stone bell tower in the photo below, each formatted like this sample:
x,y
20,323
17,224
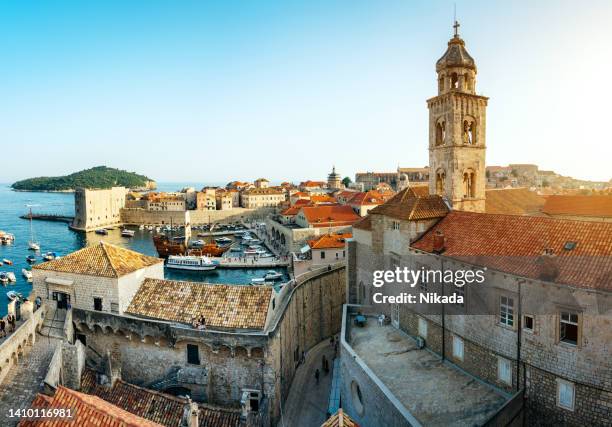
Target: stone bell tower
x,y
457,137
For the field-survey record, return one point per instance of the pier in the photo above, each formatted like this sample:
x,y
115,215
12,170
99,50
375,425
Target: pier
x,y
251,262
48,217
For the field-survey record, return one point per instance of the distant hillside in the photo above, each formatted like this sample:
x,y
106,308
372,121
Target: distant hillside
x,y
97,177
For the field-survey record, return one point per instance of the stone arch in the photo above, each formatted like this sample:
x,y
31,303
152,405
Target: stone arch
x,y
467,82
440,132
282,239
469,130
454,81
440,181
441,83
469,183
240,352
224,351
257,353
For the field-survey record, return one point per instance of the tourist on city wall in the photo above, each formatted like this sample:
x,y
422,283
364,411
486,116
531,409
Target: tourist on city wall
x,y
2,327
317,376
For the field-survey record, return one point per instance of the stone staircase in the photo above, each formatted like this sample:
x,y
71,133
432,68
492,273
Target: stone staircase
x,y
53,325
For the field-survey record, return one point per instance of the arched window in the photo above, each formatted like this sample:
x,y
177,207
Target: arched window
x,y
441,84
466,82
440,132
454,81
440,178
469,184
469,131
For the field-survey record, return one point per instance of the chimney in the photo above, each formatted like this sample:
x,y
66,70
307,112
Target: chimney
x,y
190,414
439,242
548,267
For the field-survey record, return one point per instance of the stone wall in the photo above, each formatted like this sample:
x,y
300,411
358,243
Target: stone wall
x,y
141,216
97,208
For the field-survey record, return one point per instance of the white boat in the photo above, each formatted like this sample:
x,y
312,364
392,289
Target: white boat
x,y
198,243
102,231
11,276
7,261
127,233
195,263
26,273
6,238
50,256
273,275
256,242
12,295
222,240
235,249
3,278
33,245
258,281
250,252
141,227
266,255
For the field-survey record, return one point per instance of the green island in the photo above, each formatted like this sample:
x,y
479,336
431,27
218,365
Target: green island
x,y
96,177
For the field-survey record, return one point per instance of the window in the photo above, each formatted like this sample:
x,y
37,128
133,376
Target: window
x,y
322,255
528,323
565,394
504,370
396,225
98,304
193,354
506,311
568,327
457,347
114,307
422,327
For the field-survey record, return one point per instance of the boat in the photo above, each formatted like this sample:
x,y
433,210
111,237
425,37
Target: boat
x,y
11,276
31,258
258,280
256,242
266,255
33,245
26,273
198,243
6,238
13,295
222,240
50,256
102,231
4,278
273,275
127,232
250,252
235,249
141,227
195,263
7,261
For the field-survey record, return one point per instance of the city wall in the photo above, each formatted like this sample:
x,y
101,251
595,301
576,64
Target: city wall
x,y
141,216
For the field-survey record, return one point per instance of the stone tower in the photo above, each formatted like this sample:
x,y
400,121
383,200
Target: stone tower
x,y
457,137
333,180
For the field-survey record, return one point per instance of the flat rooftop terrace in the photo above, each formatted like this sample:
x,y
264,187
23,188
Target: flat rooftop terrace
x,y
435,393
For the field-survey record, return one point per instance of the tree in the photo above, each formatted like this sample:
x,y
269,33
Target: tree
x,y
346,181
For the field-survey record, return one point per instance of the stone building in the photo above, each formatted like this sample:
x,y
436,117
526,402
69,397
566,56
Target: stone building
x,y
103,277
457,133
334,180
166,201
261,197
534,331
206,199
329,248
95,209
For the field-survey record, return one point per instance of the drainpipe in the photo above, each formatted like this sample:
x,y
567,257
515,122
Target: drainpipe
x,y
519,325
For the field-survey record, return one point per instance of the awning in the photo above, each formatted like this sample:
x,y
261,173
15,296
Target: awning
x,y
305,249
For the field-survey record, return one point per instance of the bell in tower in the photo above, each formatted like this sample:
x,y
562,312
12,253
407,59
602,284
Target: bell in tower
x,y
457,120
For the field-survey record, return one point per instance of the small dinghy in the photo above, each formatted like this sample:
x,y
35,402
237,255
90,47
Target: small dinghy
x,y
7,261
11,276
26,273
4,278
12,295
31,259
273,275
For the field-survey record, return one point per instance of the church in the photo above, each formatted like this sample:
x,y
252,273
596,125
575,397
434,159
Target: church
x,y
528,346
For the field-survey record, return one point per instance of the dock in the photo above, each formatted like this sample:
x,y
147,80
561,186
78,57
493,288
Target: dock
x,y
49,217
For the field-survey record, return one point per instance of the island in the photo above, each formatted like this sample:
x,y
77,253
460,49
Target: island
x,y
98,177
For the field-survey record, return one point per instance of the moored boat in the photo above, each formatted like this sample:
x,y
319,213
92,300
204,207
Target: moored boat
x,y
49,256
13,295
273,275
223,240
127,232
31,258
11,276
7,261
4,278
102,231
26,273
189,262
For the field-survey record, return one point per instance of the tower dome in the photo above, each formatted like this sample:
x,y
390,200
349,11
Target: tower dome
x,y
456,55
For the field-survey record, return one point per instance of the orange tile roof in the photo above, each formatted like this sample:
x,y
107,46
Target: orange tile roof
x,y
330,241
313,183
301,194
292,210
322,199
224,306
513,201
340,419
597,206
515,244
368,198
420,190
408,205
263,191
89,411
329,215
103,259
155,406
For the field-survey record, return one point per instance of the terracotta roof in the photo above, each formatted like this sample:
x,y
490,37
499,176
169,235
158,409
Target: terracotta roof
x,y
155,406
225,306
329,215
368,198
339,419
408,205
292,210
103,259
597,206
88,411
420,190
515,244
330,241
322,199
513,201
313,183
364,224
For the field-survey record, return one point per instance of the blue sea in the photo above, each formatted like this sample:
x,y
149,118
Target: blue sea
x,y
57,237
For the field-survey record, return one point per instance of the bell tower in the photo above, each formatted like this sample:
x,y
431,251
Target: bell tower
x,y
457,137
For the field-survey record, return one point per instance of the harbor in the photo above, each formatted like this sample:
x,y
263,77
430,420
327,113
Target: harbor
x,y
53,236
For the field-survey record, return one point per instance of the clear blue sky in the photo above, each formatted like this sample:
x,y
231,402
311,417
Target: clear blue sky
x,y
212,91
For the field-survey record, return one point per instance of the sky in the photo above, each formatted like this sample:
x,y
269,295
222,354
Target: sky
x,y
212,91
